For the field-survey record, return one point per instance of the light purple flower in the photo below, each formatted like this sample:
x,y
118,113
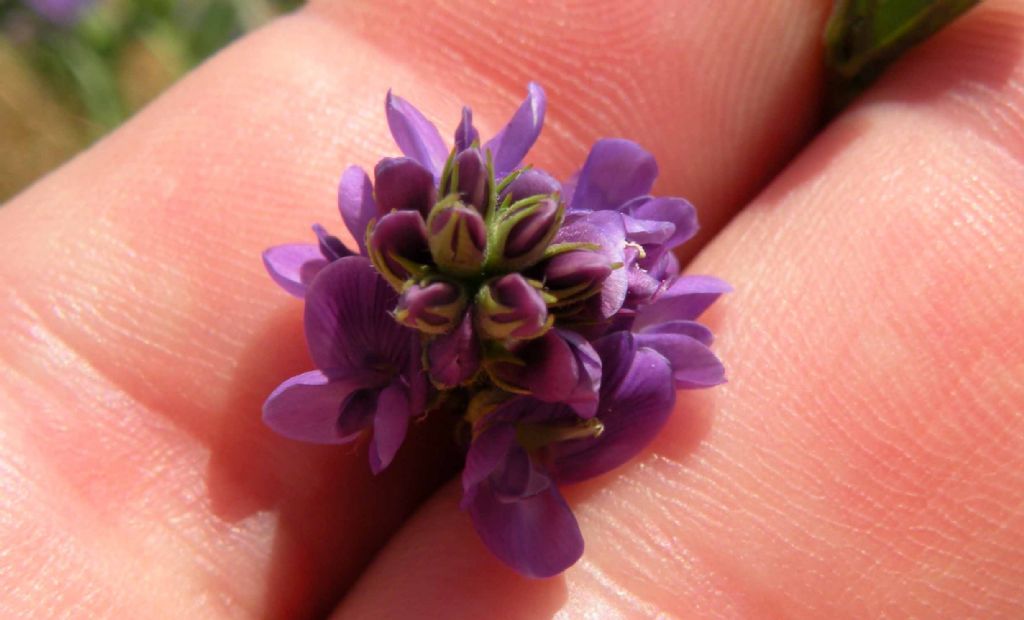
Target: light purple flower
x,y
368,366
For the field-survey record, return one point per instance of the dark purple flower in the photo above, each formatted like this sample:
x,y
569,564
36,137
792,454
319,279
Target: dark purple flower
x,y
368,366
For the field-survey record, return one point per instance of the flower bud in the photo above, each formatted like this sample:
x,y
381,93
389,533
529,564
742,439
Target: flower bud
x,y
398,247
457,238
473,179
432,308
403,185
524,232
530,183
454,358
574,275
510,307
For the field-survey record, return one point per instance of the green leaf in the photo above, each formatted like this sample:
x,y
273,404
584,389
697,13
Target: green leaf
x,y
863,36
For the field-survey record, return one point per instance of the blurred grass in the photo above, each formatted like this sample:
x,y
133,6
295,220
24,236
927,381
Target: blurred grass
x,y
68,78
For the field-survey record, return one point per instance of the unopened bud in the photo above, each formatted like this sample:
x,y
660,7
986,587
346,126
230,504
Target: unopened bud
x,y
511,307
457,238
432,308
575,275
398,247
524,232
403,185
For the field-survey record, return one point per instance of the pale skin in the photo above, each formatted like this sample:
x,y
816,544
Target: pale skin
x,y
866,458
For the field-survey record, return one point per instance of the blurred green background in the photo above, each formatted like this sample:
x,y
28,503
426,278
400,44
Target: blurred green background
x,y
72,70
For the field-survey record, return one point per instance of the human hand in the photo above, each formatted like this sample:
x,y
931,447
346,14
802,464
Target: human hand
x,y
864,460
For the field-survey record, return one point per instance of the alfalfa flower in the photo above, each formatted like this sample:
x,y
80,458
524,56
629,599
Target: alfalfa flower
x,y
552,313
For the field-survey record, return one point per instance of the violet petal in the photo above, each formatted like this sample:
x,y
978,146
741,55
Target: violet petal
x,y
686,299
693,364
307,407
293,266
454,357
615,172
390,424
537,536
605,229
676,211
349,330
330,246
417,137
518,478
512,143
355,201
632,415
584,397
692,329
465,134
549,371
486,453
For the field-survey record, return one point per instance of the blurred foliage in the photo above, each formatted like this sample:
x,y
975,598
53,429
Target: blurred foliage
x,y
863,36
72,70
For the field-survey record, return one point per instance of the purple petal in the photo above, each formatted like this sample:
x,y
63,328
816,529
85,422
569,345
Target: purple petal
x,y
648,232
693,364
686,299
692,329
454,357
616,171
676,211
537,536
584,397
349,330
632,414
293,266
486,453
417,137
355,201
330,246
465,134
389,426
518,478
307,407
549,371
606,230
402,184
512,143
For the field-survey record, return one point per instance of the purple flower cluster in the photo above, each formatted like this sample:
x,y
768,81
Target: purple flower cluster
x,y
550,314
